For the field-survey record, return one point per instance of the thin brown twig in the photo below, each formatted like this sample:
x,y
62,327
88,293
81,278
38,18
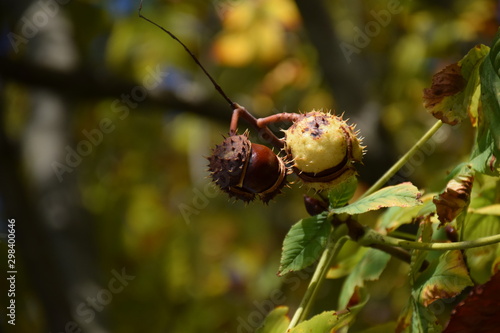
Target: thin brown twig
x,y
217,87
238,111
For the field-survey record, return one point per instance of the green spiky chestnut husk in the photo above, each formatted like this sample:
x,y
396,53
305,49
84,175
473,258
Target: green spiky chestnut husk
x,y
247,170
324,149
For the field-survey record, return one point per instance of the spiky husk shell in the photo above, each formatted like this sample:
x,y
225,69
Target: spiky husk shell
x,y
245,170
324,149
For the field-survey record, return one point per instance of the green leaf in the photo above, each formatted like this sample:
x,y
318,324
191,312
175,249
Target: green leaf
x,y
369,268
480,260
444,280
486,152
384,328
395,217
402,195
276,321
416,318
470,65
487,210
323,322
346,265
332,321
458,170
418,256
480,222
304,243
495,50
342,193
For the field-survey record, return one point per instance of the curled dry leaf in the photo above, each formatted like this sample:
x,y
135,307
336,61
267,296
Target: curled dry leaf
x,y
454,199
446,83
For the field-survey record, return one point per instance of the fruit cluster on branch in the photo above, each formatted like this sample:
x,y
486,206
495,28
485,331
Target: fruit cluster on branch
x,y
319,147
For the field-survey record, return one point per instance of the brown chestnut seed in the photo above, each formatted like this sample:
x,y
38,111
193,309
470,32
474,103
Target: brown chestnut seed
x,y
245,170
314,206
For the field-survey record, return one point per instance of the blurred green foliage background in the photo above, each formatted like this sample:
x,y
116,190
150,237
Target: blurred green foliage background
x,y
106,123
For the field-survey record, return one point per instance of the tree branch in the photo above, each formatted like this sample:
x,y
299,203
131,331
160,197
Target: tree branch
x,y
85,84
372,237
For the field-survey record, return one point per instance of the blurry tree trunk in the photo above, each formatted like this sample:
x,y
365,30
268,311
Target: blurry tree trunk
x,y
55,234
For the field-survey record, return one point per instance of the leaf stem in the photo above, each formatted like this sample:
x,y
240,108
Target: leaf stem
x,y
398,253
401,234
402,161
332,249
373,237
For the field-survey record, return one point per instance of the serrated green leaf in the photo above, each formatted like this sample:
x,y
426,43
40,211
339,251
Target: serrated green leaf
x,y
424,320
276,321
444,280
416,318
486,152
481,260
395,217
332,321
369,268
342,193
402,195
304,243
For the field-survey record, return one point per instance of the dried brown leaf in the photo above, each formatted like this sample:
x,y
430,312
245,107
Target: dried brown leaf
x,y
454,199
446,83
